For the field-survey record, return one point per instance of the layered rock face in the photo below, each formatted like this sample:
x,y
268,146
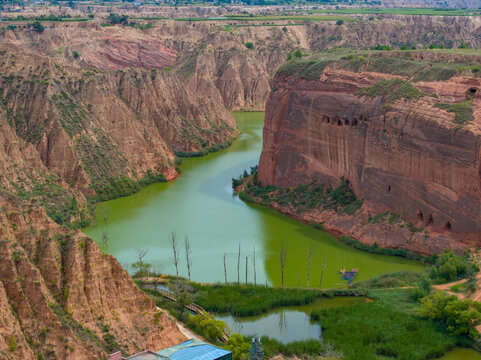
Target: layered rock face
x,y
401,154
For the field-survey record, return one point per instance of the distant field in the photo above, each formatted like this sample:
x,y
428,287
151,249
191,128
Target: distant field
x,y
272,18
402,11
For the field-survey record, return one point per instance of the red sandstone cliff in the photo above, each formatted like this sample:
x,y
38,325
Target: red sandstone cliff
x,y
404,156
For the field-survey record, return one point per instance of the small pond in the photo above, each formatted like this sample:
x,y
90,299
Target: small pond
x,y
287,324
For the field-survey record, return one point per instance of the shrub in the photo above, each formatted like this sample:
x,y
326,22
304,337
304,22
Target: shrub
x,y
37,26
382,47
249,45
339,22
463,111
207,326
75,54
464,46
12,345
451,266
238,346
118,19
458,316
298,53
393,89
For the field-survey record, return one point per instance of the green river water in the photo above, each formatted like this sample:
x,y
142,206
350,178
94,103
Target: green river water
x,y
200,204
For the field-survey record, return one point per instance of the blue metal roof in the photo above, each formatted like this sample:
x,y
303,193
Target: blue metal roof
x,y
193,350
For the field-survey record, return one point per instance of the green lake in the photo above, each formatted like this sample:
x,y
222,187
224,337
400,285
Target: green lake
x,y
200,204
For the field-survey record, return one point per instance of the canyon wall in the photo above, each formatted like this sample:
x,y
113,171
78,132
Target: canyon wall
x,y
397,145
61,298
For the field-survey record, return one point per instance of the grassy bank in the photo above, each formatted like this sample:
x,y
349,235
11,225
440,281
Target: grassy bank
x,y
248,300
387,327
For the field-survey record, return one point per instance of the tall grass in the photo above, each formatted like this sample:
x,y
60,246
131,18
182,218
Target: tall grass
x,y
387,328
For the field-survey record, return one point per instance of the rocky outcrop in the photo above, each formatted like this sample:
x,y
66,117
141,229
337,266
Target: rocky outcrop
x,y
390,138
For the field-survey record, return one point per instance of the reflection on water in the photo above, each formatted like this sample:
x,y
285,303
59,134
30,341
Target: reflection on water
x,y
287,324
200,204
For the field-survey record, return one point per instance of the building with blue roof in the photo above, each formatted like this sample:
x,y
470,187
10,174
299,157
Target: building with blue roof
x,y
192,349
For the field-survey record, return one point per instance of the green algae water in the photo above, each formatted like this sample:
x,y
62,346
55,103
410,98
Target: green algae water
x,y
201,205
461,354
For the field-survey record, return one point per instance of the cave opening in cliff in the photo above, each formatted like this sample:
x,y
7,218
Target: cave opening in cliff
x,y
447,226
339,123
354,122
430,220
471,93
388,189
419,215
346,122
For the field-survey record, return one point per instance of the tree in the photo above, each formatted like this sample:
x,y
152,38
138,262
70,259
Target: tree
x,y
118,19
451,266
141,268
298,53
37,26
246,269
225,270
339,22
105,237
309,261
460,317
175,257
322,272
187,255
256,352
238,267
238,346
254,261
283,259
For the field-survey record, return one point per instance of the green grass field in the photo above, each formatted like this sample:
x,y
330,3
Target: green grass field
x,y
271,18
402,11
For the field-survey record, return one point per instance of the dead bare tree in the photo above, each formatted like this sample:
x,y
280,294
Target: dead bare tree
x,y
187,255
322,272
175,257
238,267
225,270
283,259
140,253
105,237
254,260
309,262
246,270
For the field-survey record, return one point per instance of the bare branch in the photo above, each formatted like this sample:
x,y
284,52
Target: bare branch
x,y
225,269
175,257
238,267
283,259
187,255
140,253
309,262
